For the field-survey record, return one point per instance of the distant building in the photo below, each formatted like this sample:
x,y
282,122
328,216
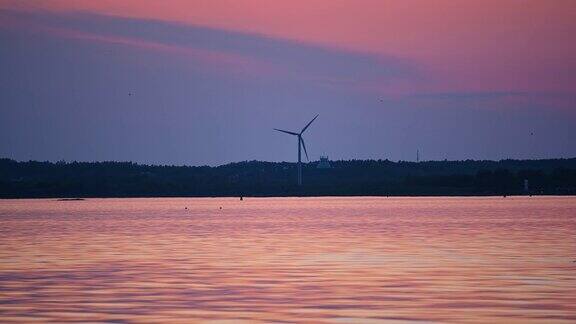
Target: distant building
x,y
323,163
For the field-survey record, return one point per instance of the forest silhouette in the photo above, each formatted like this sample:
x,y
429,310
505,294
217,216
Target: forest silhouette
x,y
34,179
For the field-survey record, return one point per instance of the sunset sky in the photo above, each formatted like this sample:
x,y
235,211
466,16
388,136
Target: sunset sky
x,y
204,82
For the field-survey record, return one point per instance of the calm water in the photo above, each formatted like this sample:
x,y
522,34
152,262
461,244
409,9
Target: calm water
x,y
351,260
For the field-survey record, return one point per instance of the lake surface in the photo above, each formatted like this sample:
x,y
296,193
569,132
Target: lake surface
x,y
350,260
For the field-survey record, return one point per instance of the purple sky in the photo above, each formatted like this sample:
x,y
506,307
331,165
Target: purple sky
x,y
92,86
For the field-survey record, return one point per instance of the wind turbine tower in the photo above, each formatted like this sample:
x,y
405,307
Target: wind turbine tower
x,y
300,146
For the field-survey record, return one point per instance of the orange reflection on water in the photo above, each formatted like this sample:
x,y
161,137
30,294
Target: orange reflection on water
x,y
289,259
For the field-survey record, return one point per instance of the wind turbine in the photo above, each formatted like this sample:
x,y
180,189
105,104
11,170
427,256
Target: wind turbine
x,y
300,146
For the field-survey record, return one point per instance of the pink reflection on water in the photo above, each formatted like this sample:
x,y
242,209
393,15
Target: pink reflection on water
x,y
289,259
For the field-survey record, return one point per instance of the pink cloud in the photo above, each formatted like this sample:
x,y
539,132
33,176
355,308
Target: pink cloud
x,y
504,45
215,60
252,55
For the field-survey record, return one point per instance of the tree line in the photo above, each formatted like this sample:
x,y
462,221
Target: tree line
x,y
33,179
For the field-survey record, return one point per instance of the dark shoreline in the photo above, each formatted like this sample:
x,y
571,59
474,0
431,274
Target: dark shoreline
x,y
354,178
64,199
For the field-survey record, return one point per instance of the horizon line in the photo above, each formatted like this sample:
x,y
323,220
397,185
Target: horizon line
x,y
280,162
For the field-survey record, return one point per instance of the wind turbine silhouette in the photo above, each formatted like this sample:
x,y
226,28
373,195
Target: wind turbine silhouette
x,y
300,146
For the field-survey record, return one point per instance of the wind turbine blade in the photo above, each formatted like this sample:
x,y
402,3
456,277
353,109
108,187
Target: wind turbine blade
x,y
287,132
305,127
304,146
